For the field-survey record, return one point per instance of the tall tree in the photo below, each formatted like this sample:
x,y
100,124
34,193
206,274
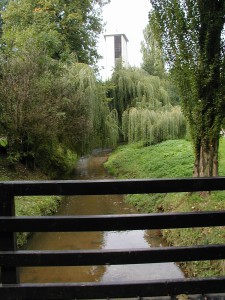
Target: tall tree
x,y
191,36
151,53
76,23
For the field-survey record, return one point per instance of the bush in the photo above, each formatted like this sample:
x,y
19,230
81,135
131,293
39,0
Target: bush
x,y
55,160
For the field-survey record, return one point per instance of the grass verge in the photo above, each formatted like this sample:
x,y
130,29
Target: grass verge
x,y
28,206
173,159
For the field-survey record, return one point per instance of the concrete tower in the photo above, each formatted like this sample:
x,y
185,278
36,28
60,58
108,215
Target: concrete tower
x,y
116,49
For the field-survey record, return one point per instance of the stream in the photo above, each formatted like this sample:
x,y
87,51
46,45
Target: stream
x,y
92,168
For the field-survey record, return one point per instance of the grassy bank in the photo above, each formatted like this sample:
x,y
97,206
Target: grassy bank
x,y
173,159
35,206
32,206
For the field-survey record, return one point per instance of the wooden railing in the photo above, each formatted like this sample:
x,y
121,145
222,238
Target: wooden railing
x,y
11,258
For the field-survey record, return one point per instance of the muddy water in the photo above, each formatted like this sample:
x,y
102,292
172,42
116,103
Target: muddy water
x,y
92,168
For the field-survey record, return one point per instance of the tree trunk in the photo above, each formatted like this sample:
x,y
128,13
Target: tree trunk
x,y
206,160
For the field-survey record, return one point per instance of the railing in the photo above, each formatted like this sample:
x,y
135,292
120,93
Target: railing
x,y
11,259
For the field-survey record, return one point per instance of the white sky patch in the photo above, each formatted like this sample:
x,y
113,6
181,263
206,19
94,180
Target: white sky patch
x,y
128,17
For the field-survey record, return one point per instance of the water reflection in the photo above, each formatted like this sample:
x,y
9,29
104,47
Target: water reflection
x,y
137,239
125,239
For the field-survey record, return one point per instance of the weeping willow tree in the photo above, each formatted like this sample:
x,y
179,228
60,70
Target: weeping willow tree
x,y
133,86
88,122
143,102
106,129
151,127
78,83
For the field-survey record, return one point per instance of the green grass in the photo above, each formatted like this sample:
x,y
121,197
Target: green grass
x,y
173,159
34,206
161,160
28,206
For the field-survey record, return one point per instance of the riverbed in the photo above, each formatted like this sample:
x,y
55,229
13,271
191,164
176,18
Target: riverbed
x,y
91,167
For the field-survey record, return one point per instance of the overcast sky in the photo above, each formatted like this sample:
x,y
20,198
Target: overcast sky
x,y
128,17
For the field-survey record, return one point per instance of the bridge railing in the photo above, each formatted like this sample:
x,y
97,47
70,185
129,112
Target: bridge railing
x,y
11,258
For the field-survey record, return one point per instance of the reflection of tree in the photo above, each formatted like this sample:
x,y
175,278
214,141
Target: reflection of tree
x,y
154,238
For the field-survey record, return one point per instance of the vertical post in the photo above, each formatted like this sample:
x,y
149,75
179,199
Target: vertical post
x,y
9,275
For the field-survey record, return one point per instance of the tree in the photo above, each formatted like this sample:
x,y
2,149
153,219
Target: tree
x,y
152,55
143,103
29,107
154,64
87,121
132,86
153,126
190,33
76,23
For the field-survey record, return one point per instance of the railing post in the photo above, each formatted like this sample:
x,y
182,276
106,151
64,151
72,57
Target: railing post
x,y
9,275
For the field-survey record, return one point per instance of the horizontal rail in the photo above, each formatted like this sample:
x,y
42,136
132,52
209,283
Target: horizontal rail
x,y
106,187
112,222
112,290
110,257
11,259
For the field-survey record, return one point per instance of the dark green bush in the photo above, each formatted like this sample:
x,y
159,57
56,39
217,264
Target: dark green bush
x,y
55,160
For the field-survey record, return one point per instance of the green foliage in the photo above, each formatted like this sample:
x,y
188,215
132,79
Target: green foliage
x,y
86,112
152,55
47,99
34,206
161,160
3,142
3,5
78,105
72,26
186,31
152,127
143,105
107,123
55,160
133,86
29,101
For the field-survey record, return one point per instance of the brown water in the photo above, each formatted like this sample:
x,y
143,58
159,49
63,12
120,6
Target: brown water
x,y
92,168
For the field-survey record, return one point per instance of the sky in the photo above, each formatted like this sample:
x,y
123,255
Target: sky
x,y
128,17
